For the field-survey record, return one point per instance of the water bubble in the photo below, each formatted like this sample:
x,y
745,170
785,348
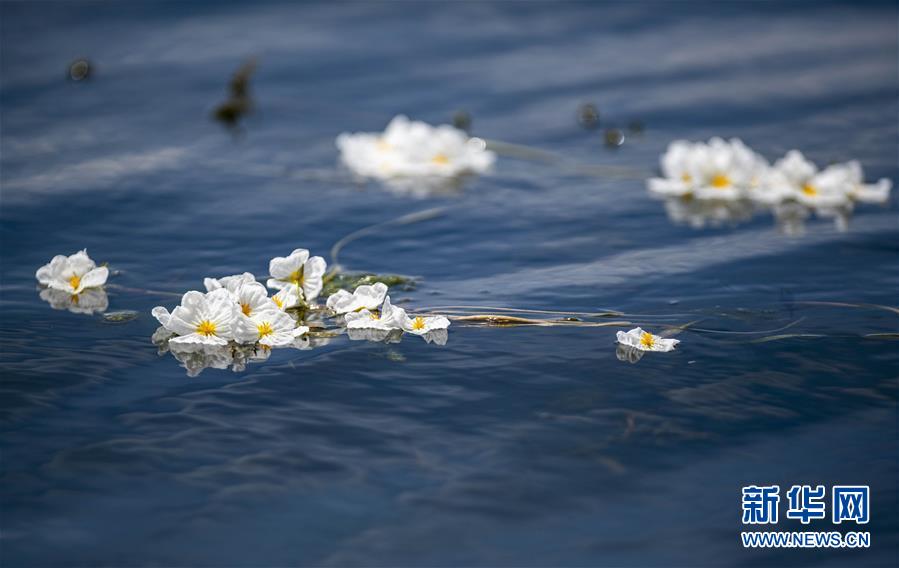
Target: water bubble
x,y
613,137
79,70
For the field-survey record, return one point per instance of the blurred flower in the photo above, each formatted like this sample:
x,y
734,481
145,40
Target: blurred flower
x,y
364,297
719,169
72,274
270,328
298,270
645,341
201,318
867,193
90,301
414,149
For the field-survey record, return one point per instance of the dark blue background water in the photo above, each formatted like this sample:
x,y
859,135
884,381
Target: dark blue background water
x,y
506,447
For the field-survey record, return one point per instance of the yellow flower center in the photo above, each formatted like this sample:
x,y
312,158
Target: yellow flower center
x,y
647,340
383,145
264,329
440,159
246,309
206,328
687,178
278,301
374,315
809,190
720,181
418,323
296,277
75,281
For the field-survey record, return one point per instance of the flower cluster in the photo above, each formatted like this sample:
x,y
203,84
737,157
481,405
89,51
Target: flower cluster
x,y
413,156
74,283
235,322
725,180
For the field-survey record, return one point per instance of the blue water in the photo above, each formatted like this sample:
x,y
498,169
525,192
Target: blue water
x,y
529,446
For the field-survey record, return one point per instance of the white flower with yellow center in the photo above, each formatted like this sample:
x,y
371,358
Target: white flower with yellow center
x,y
795,178
72,274
422,325
645,341
206,319
270,328
230,283
364,297
299,271
412,149
387,318
252,298
286,298
725,170
677,165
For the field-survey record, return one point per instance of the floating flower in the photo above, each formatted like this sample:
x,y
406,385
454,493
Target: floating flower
x,y
866,193
387,318
286,298
252,298
90,301
645,341
719,169
422,325
72,274
270,328
414,149
201,318
230,283
300,271
794,177
364,297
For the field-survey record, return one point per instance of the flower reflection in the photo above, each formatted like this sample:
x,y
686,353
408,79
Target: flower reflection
x,y
375,335
700,213
89,301
628,354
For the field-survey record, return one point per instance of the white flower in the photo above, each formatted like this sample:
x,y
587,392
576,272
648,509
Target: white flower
x,y
72,274
230,283
677,165
201,318
388,318
271,328
253,298
365,297
422,325
794,177
645,341
414,149
866,193
719,169
298,270
286,297
90,301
